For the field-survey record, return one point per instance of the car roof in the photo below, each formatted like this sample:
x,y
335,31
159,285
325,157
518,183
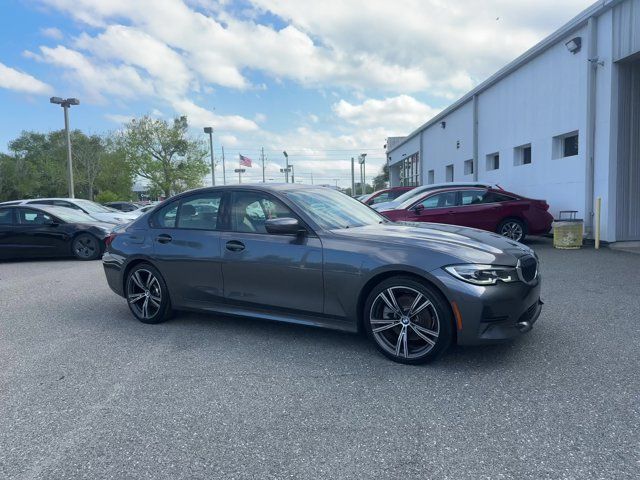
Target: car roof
x,y
54,209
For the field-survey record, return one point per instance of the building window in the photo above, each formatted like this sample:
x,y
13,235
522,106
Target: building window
x,y
522,155
410,171
431,177
566,145
449,173
468,167
493,161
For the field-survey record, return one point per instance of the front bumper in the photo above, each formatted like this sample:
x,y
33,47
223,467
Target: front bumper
x,y
492,313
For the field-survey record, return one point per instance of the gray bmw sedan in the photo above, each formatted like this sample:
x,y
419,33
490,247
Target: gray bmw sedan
x,y
315,256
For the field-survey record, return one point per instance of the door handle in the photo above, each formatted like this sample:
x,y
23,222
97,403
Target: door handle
x,y
234,246
163,238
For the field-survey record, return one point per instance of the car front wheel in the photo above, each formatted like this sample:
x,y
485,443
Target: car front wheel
x,y
147,294
513,229
408,320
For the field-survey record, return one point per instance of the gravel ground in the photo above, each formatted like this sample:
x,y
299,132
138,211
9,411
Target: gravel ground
x,y
88,392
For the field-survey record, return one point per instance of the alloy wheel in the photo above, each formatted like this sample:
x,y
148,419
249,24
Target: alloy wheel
x,y
404,322
144,293
512,230
85,247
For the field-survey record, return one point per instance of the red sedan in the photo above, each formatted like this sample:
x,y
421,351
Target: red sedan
x,y
384,195
506,213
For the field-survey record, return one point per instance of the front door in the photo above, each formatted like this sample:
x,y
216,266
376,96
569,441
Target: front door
x,y
186,246
265,270
437,208
38,234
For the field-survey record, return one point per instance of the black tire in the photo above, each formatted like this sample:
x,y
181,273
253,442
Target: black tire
x,y
86,247
513,228
434,318
147,296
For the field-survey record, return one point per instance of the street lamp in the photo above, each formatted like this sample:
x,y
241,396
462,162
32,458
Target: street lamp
x,y
286,168
65,104
209,130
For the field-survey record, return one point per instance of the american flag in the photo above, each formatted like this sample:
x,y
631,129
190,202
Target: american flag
x,y
245,161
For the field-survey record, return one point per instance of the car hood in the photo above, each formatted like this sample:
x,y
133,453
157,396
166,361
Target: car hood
x,y
463,244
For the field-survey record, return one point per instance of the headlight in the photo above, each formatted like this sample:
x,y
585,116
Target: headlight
x,y
483,274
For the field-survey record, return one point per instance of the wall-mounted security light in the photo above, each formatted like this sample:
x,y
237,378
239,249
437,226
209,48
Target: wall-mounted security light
x,y
458,144
574,45
443,124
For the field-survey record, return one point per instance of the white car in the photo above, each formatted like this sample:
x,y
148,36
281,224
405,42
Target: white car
x,y
95,210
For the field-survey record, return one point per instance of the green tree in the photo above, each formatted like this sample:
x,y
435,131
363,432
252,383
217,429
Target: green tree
x,y
381,180
164,154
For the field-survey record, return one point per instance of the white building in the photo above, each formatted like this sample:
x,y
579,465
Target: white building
x,y
560,123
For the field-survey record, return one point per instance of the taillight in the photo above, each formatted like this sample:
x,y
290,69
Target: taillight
x,y
110,238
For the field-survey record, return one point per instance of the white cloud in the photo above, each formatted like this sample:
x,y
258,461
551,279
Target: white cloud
x,y
13,79
396,114
200,117
52,32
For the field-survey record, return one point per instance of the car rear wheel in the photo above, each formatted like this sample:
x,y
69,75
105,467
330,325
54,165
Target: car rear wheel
x,y
86,247
147,294
513,229
408,320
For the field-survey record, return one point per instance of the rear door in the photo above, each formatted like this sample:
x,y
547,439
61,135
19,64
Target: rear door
x,y
480,208
186,246
436,207
265,270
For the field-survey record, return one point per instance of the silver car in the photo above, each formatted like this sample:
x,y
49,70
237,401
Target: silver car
x,y
314,256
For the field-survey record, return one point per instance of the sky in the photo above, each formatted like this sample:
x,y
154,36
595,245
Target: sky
x,y
323,80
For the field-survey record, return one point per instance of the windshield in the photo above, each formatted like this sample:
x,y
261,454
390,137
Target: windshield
x,y
411,193
92,207
331,209
70,216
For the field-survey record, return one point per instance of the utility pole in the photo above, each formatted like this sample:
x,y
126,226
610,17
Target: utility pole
x,y
209,130
65,104
361,161
293,178
353,179
224,174
262,155
286,167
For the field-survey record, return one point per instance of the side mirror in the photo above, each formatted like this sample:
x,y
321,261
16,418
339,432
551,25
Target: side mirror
x,y
284,226
418,208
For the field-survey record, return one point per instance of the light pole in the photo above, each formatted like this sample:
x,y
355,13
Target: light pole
x,y
65,104
353,179
209,130
286,168
363,171
293,178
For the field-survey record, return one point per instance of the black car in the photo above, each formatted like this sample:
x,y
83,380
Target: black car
x,y
315,256
123,206
45,231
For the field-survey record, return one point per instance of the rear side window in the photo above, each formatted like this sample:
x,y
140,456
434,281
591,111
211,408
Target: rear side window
x,y
395,194
166,216
472,197
199,213
383,197
6,216
493,197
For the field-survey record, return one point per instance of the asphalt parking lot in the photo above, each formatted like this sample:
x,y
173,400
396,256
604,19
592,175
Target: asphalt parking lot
x,y
88,392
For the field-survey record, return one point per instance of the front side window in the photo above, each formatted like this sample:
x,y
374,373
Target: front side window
x,y
440,200
27,216
251,210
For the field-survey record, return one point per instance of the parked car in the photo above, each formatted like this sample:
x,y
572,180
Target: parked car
x,y
416,191
495,210
384,195
123,206
315,256
93,209
48,231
